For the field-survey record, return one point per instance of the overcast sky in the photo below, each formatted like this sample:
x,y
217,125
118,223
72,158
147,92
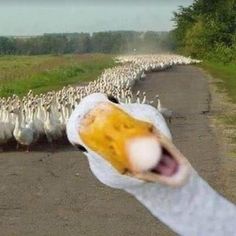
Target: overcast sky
x,y
32,17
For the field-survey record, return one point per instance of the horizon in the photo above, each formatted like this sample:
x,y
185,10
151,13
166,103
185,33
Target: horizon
x,y
68,33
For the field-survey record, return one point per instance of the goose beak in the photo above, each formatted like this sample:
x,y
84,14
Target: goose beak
x,y
133,147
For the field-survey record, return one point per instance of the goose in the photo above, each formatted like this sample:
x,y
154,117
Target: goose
x,y
167,113
52,127
143,76
3,138
144,98
23,134
117,81
129,147
31,124
137,97
6,127
39,117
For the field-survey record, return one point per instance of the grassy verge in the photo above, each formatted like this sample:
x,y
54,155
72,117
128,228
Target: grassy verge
x,y
225,75
226,82
19,74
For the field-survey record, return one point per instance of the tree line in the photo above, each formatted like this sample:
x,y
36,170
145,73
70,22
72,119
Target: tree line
x,y
207,29
100,42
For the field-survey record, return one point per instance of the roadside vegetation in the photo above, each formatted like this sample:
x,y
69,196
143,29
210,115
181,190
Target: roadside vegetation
x,y
224,76
227,75
19,74
207,30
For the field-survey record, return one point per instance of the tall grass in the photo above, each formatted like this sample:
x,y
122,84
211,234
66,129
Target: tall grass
x,y
19,74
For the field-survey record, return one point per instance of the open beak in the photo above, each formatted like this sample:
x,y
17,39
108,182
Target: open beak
x,y
133,147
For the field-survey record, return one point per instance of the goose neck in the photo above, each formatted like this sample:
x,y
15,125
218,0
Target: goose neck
x,y
194,209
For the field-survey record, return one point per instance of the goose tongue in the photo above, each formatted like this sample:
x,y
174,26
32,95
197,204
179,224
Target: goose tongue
x,y
167,165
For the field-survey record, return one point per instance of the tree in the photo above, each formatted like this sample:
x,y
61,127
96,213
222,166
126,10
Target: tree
x,y
206,28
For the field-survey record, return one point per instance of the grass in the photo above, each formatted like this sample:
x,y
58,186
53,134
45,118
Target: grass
x,y
19,74
226,73
226,82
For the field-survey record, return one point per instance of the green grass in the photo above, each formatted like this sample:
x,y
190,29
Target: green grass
x,y
226,73
19,74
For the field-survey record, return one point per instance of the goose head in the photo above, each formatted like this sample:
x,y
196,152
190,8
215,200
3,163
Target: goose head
x,y
128,146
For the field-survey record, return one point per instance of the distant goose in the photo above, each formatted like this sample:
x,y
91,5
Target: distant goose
x,y
167,113
117,81
129,147
143,76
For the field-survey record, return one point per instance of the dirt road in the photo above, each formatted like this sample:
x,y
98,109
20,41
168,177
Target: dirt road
x,y
55,194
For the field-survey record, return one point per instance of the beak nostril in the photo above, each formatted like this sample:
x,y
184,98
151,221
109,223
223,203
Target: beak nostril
x,y
125,171
109,138
127,126
117,127
151,129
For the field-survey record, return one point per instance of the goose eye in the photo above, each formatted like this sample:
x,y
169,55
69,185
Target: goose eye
x,y
81,148
112,99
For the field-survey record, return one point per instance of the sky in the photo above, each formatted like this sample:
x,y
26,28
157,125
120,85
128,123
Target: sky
x,y
35,17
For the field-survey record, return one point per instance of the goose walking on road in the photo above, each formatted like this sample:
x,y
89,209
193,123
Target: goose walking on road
x,y
129,147
24,134
167,113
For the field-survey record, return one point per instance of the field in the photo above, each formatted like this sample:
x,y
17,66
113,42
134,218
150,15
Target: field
x,y
19,74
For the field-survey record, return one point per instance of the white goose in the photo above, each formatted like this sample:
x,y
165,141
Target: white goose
x,y
117,81
52,127
129,147
6,128
23,134
167,113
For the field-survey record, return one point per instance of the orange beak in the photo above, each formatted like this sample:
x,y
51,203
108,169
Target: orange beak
x,y
108,130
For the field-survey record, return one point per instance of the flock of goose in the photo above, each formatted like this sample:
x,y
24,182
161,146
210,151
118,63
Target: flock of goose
x,y
34,117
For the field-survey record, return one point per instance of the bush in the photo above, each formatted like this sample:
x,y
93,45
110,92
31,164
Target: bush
x,y
221,53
